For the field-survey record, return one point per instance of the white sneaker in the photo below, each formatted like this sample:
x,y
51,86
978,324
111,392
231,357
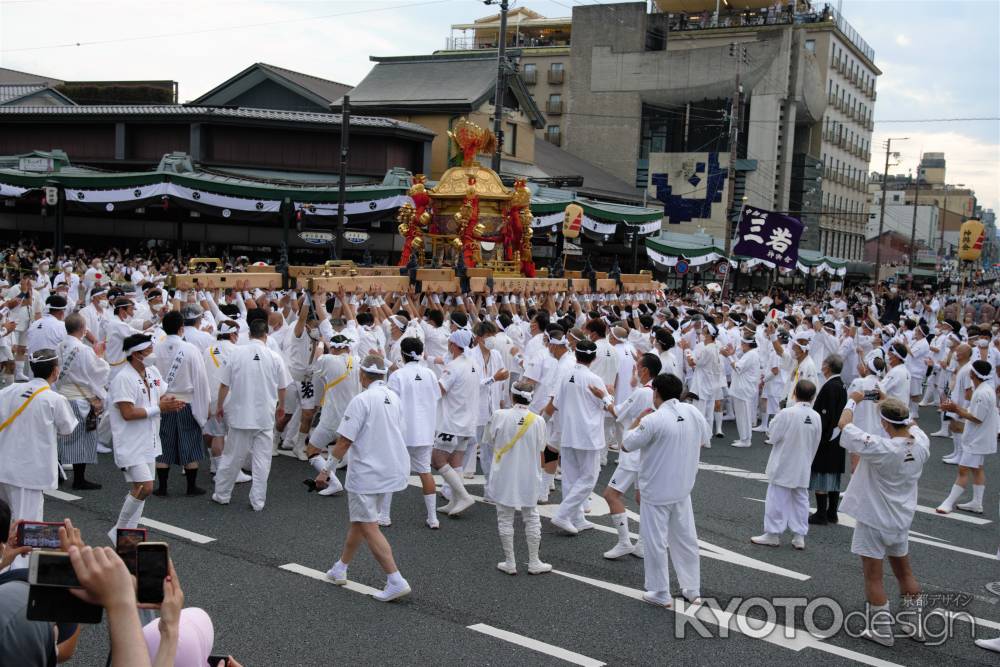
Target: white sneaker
x,y
707,445
101,449
468,475
767,540
619,550
392,592
217,499
433,524
941,433
639,550
446,509
333,487
461,504
300,452
759,429
739,443
586,506
538,567
950,460
337,575
658,600
243,478
799,542
585,525
507,566
971,506
880,635
564,525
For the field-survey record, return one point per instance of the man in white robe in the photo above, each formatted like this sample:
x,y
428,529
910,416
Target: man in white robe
x,y
882,497
794,435
745,390
516,438
670,441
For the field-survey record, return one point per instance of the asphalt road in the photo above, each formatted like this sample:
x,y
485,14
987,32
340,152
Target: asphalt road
x,y
253,577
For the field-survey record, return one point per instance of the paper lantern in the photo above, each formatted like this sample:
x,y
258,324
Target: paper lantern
x,y
971,237
573,221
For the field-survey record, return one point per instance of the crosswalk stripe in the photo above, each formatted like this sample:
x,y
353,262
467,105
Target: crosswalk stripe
x,y
535,645
321,576
61,495
197,538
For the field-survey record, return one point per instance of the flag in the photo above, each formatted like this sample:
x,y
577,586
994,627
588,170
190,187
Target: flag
x,y
769,236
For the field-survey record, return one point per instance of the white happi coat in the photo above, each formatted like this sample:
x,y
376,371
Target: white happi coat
x,y
182,367
137,442
896,383
419,393
795,434
377,460
883,489
640,400
516,468
29,444
254,375
670,442
982,438
82,374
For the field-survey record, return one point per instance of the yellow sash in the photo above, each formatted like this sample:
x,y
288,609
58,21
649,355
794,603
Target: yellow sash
x,y
10,420
211,353
529,419
120,362
333,383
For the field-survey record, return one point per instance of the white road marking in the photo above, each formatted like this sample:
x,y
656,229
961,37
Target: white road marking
x,y
761,477
788,637
535,645
321,576
848,521
61,495
197,538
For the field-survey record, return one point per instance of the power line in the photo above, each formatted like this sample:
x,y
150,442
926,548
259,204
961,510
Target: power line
x,y
369,10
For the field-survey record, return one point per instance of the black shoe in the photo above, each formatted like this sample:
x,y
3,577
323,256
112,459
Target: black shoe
x,y
817,519
85,485
161,491
195,491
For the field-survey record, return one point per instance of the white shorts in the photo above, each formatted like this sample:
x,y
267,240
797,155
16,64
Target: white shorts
x,y
420,458
6,354
447,442
322,437
305,394
362,507
214,427
622,479
916,386
971,460
143,472
874,543
22,338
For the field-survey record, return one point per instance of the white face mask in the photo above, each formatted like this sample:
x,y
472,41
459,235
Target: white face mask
x,y
103,303
982,343
490,343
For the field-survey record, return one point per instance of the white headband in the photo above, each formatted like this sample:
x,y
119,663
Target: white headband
x,y
226,329
898,422
892,350
35,358
574,337
398,321
415,356
557,341
374,370
140,347
461,338
341,345
527,395
870,360
978,374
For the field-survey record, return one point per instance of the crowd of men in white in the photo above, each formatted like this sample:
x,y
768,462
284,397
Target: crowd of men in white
x,y
541,386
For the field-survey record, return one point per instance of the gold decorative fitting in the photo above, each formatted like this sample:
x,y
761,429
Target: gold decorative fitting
x,y
425,218
403,229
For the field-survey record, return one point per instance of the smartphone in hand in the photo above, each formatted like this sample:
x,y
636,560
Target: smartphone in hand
x,y
151,570
38,534
126,544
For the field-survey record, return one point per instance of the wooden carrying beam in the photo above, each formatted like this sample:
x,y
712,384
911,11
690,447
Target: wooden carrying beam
x,y
270,281
360,284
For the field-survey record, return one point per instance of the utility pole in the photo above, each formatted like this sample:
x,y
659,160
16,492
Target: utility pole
x,y
913,229
501,89
943,217
345,135
739,52
881,217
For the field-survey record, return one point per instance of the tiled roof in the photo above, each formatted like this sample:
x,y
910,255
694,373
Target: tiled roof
x,y
328,90
225,112
10,92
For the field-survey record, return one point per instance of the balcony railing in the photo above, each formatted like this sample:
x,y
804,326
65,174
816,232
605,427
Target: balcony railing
x,y
556,76
553,107
520,41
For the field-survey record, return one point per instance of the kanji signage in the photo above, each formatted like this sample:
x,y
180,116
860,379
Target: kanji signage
x,y
769,236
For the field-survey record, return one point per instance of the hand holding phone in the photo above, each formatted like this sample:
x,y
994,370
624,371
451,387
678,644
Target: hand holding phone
x,y
126,542
40,534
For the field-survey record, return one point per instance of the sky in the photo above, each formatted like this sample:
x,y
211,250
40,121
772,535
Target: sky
x,y
939,59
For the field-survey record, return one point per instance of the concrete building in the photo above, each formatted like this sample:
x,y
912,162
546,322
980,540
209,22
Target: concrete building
x,y
650,94
539,46
899,219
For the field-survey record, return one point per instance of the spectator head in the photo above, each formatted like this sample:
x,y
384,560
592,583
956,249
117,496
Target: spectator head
x,y
435,316
522,392
258,328
75,325
173,322
586,352
833,365
411,349
228,330
805,390
666,387
649,364
372,369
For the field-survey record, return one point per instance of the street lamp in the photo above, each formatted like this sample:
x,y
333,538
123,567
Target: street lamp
x,y
881,218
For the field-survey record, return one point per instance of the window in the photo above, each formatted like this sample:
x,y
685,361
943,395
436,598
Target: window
x,y
510,139
895,197
556,73
656,39
552,135
529,72
555,104
811,45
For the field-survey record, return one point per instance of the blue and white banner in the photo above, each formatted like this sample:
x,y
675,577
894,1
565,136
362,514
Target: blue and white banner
x,y
769,236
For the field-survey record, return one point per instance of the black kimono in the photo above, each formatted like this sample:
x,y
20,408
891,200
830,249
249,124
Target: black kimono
x,y
830,404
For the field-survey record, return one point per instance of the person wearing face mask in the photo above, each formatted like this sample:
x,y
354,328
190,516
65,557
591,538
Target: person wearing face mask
x,y
896,383
138,397
492,393
918,359
72,282
706,375
95,316
299,352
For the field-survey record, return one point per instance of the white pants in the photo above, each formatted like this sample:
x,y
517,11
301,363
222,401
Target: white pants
x,y
745,412
240,442
579,475
25,504
706,406
786,508
670,529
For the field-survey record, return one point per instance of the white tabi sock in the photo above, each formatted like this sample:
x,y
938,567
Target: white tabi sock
x,y
718,422
430,502
215,463
318,463
395,578
131,512
454,480
977,493
764,419
956,493
621,524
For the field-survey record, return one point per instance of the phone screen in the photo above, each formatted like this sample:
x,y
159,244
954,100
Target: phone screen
x,y
54,569
151,570
214,660
128,540
38,534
